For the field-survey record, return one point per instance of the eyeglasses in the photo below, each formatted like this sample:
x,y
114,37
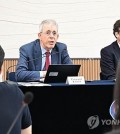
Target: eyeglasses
x,y
48,33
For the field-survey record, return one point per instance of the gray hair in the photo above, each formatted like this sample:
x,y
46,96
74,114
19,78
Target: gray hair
x,y
49,21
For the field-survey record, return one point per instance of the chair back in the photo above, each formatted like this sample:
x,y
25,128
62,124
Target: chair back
x,y
102,77
12,76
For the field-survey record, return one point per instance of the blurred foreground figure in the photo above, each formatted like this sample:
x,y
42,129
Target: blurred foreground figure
x,y
11,101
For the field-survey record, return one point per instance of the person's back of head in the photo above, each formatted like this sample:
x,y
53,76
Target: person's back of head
x,y
2,54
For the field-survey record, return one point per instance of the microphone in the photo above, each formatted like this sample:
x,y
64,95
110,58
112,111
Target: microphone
x,y
27,99
115,106
43,55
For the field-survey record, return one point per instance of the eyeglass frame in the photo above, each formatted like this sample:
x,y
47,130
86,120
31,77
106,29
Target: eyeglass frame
x,y
48,33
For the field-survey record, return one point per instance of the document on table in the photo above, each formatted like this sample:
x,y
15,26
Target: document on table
x,y
27,84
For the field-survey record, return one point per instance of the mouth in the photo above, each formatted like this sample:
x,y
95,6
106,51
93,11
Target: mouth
x,y
51,42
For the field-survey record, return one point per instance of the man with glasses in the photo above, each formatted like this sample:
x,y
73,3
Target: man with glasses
x,y
36,56
110,55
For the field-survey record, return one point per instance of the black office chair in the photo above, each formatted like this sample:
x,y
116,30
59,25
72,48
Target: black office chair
x,y
102,77
11,76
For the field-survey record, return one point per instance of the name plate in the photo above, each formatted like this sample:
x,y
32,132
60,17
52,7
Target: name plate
x,y
74,80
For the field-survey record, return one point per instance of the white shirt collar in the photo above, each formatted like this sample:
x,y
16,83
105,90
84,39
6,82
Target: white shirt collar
x,y
118,44
44,50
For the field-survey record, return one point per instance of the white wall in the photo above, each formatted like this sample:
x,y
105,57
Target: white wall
x,y
84,25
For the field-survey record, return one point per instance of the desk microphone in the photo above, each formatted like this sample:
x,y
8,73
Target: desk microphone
x,y
43,55
27,99
115,106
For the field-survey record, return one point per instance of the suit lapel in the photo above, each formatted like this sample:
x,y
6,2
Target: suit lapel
x,y
37,56
54,56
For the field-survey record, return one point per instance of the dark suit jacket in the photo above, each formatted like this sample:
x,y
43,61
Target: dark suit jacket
x,y
30,61
110,56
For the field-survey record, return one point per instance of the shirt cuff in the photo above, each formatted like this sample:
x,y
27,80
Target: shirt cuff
x,y
41,74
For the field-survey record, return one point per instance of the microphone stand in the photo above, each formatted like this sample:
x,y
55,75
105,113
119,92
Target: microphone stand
x,y
27,99
16,118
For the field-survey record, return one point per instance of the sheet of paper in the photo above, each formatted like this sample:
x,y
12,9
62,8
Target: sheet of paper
x,y
27,84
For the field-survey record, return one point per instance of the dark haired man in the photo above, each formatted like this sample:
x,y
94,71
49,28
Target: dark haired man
x,y
11,98
110,55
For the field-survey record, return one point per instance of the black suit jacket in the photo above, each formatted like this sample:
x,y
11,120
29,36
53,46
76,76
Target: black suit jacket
x,y
110,55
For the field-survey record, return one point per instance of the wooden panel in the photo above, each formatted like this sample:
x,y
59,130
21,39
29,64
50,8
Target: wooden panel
x,y
90,68
9,63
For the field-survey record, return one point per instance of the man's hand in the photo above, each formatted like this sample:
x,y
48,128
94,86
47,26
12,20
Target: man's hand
x,y
44,73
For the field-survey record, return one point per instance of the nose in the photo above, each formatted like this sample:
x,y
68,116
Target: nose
x,y
51,34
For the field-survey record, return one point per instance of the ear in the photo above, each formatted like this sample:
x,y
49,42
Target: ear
x,y
116,34
39,35
1,76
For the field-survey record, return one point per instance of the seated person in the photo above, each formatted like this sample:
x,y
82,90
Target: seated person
x,y
11,99
33,61
110,55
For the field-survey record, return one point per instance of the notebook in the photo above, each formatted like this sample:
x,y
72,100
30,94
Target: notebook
x,y
59,73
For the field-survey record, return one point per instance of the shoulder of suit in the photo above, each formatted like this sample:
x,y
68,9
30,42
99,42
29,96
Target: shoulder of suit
x,y
30,44
110,46
59,44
